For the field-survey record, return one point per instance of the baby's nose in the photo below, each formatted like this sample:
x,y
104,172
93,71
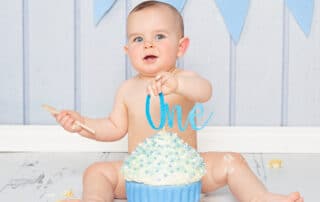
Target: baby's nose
x,y
148,44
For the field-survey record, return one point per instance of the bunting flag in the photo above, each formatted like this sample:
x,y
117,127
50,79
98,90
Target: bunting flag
x,y
100,9
234,13
178,4
302,10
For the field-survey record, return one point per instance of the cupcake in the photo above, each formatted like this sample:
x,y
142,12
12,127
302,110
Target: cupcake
x,y
163,169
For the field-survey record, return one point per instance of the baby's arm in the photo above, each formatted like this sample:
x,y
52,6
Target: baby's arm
x,y
185,83
110,128
193,86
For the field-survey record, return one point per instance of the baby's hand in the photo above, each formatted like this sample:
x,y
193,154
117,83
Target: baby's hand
x,y
164,82
67,119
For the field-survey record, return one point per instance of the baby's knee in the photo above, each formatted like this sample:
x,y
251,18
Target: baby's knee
x,y
219,166
233,158
102,169
108,176
233,161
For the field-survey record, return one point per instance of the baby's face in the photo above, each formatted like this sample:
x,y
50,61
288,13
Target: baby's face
x,y
153,40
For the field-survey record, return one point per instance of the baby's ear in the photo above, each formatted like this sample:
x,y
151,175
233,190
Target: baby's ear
x,y
125,48
183,46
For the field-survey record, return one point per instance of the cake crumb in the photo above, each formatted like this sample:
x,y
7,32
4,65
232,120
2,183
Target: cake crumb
x,y
68,194
275,163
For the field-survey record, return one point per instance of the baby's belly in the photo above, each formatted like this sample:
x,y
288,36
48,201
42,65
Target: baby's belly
x,y
139,135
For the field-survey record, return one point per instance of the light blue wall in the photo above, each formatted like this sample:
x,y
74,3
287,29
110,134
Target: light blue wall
x,y
51,52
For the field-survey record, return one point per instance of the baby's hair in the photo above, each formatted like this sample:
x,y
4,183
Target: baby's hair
x,y
150,4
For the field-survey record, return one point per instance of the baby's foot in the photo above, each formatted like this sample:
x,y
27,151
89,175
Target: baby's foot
x,y
271,197
70,200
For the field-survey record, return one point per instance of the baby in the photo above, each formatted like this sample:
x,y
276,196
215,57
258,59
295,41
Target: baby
x,y
155,41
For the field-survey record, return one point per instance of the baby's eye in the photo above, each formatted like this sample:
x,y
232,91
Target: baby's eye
x,y
160,36
138,39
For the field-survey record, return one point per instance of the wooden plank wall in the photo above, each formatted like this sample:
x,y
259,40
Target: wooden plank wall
x,y
11,62
51,52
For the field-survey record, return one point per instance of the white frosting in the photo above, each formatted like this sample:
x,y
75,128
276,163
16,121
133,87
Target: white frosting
x,y
164,159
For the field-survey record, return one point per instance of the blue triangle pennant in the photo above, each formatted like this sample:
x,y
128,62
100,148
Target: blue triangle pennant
x,y
234,13
178,4
100,9
302,10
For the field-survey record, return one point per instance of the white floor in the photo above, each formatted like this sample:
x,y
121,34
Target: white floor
x,y
47,177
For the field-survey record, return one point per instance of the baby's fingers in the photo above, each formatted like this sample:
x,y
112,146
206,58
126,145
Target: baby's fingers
x,y
150,90
154,88
159,87
70,125
67,121
59,117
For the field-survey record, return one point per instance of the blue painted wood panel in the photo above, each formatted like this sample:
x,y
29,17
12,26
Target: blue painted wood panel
x,y
11,62
259,66
304,73
102,58
51,57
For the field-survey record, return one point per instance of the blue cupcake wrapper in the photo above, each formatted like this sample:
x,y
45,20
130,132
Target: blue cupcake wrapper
x,y
139,192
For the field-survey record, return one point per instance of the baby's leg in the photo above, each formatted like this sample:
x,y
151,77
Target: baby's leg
x,y
231,169
102,182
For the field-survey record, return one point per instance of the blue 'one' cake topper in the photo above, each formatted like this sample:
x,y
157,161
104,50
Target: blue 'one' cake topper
x,y
166,113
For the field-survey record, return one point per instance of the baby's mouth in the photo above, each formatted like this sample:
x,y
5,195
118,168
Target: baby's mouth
x,y
150,58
